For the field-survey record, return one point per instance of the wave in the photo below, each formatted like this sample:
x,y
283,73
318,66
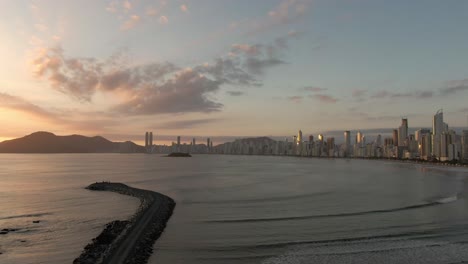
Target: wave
x,y
411,207
24,216
271,199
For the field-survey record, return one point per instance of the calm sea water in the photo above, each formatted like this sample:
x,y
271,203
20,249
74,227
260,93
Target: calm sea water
x,y
240,209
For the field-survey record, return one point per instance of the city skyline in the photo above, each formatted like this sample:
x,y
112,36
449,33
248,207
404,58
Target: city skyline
x,y
216,68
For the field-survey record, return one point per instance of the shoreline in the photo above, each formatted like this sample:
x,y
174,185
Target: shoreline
x,y
129,241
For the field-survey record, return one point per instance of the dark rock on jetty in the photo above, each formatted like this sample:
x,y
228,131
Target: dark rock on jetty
x,y
131,241
179,155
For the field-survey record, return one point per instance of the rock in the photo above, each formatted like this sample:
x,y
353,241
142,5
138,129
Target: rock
x,y
3,232
36,221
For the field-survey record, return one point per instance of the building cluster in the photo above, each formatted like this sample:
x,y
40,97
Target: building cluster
x,y
177,146
439,144
442,144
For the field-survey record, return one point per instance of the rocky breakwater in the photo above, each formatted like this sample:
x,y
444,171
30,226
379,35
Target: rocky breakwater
x,y
130,241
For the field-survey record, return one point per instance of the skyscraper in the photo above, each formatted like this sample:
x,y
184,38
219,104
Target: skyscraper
x,y
299,143
331,146
438,127
438,123
359,139
347,142
465,145
403,132
151,139
146,139
395,137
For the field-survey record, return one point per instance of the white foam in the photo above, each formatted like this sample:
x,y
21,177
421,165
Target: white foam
x,y
448,199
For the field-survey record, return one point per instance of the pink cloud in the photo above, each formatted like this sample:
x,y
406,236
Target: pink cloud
x,y
324,98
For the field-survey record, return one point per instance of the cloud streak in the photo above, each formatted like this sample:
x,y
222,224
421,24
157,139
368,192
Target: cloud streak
x,y
235,93
410,95
328,99
186,124
455,86
286,12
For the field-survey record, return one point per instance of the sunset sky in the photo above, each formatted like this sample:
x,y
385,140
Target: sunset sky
x,y
229,67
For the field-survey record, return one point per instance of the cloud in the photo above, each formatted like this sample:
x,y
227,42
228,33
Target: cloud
x,y
186,124
19,104
412,95
163,20
286,12
324,98
72,119
259,57
40,27
314,89
455,86
132,22
151,11
359,93
186,91
112,7
157,87
296,99
235,93
127,5
184,8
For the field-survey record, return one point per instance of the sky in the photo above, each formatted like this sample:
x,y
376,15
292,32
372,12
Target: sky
x,y
229,68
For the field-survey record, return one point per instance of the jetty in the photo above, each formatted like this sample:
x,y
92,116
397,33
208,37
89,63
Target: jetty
x,y
129,241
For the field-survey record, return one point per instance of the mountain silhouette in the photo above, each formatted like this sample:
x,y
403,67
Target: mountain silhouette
x,y
46,142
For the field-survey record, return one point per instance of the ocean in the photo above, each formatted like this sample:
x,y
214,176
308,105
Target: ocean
x,y
239,209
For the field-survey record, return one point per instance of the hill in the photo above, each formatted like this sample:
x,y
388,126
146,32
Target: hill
x,y
45,142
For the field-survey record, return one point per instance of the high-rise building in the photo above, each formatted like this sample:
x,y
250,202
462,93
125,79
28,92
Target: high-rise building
x,y
378,141
208,144
299,136
146,139
438,123
438,127
419,133
331,146
299,143
359,139
347,143
426,146
395,137
403,132
465,145
151,139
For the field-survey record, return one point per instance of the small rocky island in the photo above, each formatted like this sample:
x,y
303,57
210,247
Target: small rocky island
x,y
179,155
129,241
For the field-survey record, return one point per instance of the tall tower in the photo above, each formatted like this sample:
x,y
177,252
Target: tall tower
x,y
403,132
438,123
359,139
151,139
437,129
146,139
347,142
208,144
178,143
395,137
299,143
